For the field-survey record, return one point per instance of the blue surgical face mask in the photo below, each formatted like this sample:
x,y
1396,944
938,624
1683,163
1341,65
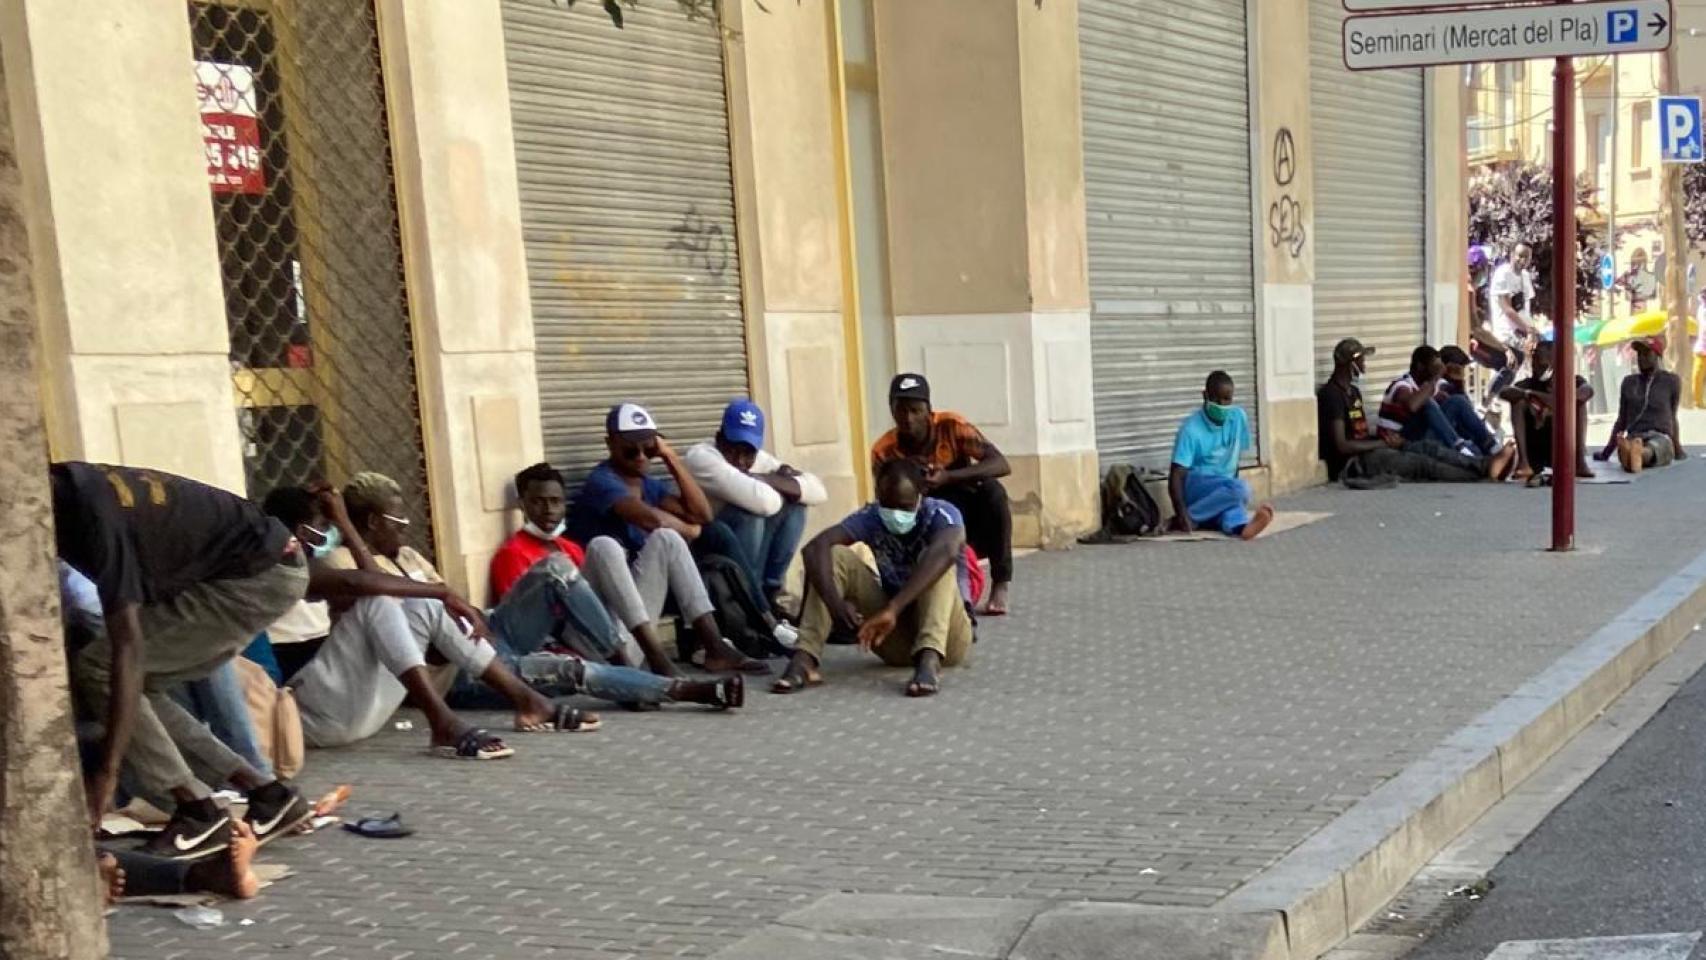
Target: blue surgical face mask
x,y
330,539
542,533
898,522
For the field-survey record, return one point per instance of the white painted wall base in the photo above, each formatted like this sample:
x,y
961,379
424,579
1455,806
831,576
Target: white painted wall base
x,y
1024,378
1286,342
1444,304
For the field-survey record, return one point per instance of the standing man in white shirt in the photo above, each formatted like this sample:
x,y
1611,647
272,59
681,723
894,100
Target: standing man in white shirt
x,y
761,499
1510,310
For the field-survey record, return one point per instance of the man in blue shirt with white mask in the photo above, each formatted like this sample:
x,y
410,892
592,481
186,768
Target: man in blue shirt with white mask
x,y
1203,483
911,610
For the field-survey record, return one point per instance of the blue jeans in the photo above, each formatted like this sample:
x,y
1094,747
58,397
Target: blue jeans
x,y
1460,412
718,539
560,675
770,542
552,602
217,700
1221,503
1431,423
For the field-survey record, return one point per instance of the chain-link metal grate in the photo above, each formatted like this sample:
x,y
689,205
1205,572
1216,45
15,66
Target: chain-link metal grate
x,y
299,164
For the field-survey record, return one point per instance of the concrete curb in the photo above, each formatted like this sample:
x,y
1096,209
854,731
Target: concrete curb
x,y
1338,878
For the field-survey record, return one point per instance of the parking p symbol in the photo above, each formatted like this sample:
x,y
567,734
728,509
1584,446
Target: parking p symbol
x,y
1623,26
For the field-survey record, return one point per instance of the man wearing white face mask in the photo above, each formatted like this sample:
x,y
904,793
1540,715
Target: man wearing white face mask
x,y
913,609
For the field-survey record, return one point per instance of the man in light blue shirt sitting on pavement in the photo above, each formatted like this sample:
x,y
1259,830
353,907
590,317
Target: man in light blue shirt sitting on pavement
x,y
1203,483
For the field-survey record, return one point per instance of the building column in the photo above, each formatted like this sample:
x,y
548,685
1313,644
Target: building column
x,y
460,209
1448,207
1284,192
786,148
984,166
134,350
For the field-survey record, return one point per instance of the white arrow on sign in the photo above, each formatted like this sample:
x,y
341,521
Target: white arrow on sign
x,y
1425,39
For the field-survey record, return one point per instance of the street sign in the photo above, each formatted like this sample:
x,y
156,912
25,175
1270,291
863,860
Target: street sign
x,y
1366,6
1423,39
1679,130
1607,272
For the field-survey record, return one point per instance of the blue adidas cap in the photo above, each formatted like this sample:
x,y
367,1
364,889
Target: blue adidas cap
x,y
743,422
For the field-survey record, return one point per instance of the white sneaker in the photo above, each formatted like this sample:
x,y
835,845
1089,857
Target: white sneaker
x,y
787,636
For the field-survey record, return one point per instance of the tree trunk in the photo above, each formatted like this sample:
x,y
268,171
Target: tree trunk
x,y
50,905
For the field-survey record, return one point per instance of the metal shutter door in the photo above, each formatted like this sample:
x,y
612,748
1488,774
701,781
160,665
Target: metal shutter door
x,y
627,203
1370,199
1167,185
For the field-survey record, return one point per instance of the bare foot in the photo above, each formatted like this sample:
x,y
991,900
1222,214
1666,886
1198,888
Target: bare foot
x,y
927,678
997,605
1258,523
1500,464
112,878
232,875
1583,471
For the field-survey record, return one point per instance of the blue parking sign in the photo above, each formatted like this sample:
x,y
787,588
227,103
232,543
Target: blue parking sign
x,y
1679,130
1623,26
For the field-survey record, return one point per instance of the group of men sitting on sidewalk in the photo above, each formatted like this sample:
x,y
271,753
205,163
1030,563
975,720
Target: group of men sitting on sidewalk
x,y
167,580
1429,429
180,577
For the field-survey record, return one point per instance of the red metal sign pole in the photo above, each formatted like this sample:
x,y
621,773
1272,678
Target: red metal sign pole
x,y
1564,451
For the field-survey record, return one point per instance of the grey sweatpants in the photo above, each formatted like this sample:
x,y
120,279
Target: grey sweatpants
x,y
635,592
187,638
350,688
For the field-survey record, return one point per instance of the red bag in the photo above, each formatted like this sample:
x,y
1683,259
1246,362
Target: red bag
x,y
976,580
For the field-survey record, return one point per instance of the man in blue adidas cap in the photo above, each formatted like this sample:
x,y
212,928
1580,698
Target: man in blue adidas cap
x,y
762,500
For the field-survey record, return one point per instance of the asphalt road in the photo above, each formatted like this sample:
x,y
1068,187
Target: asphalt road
x,y
1624,856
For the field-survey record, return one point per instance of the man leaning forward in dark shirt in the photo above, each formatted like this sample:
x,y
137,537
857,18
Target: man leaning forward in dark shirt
x,y
187,575
1645,434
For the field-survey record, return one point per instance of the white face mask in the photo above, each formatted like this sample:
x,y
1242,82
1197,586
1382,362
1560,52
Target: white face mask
x,y
537,531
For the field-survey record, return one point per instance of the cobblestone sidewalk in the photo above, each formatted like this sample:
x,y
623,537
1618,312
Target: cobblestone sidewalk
x,y
1156,724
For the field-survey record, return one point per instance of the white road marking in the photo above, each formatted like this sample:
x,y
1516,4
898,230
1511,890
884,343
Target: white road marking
x,y
1658,946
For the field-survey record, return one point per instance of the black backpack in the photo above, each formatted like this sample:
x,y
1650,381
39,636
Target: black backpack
x,y
1128,511
738,615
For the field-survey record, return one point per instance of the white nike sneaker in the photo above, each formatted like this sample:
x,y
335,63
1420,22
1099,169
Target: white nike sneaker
x,y
787,636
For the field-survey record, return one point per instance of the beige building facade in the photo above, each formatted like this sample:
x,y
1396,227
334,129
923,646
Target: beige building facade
x,y
465,228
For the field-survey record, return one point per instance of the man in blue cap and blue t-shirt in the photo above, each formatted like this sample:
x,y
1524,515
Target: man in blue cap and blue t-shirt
x,y
762,500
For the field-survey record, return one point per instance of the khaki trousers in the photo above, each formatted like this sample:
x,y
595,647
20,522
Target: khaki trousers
x,y
936,621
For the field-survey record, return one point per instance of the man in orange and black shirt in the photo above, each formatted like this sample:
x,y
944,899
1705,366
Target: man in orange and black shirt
x,y
960,466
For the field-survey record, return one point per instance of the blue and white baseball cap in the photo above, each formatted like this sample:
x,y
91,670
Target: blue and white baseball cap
x,y
743,422
630,421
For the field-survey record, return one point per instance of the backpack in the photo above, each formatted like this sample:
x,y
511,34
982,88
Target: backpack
x,y
738,615
1128,510
278,721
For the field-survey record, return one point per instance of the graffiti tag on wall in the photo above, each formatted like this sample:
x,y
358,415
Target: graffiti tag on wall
x,y
1285,215
700,243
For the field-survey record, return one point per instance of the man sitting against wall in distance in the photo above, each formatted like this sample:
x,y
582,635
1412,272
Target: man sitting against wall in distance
x,y
1203,482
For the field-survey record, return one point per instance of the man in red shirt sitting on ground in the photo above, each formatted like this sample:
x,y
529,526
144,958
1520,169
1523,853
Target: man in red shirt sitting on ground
x,y
542,596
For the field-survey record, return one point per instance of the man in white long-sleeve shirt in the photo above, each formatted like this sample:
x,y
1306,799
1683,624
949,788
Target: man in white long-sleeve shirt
x,y
761,499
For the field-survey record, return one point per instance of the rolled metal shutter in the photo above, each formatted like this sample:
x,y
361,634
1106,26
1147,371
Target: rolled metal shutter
x,y
1370,204
627,203
1167,188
